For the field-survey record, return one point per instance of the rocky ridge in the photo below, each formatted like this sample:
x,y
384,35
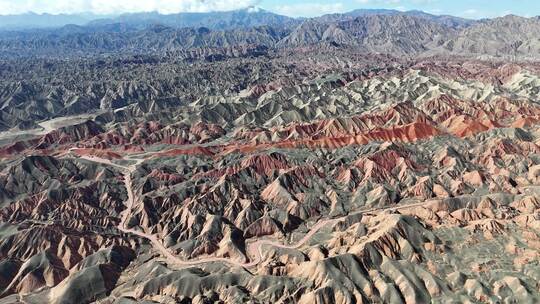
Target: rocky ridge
x,y
347,188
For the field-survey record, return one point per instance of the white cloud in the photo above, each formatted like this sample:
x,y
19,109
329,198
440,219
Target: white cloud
x,y
471,12
378,1
436,11
309,9
120,6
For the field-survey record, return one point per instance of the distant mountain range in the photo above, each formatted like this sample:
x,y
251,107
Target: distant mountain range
x,y
36,21
412,33
244,18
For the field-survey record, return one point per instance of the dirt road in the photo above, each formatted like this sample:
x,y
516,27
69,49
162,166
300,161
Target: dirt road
x,y
254,250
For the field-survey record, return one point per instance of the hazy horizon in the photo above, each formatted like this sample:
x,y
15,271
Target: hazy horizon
x,y
476,9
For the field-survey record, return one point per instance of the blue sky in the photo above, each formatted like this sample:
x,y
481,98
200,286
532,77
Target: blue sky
x,y
464,8
306,8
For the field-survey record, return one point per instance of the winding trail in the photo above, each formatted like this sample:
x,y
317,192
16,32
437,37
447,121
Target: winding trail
x,y
253,250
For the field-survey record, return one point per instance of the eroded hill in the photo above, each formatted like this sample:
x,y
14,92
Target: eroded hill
x,y
343,180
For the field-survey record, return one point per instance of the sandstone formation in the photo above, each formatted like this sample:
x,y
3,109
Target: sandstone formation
x,y
273,161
